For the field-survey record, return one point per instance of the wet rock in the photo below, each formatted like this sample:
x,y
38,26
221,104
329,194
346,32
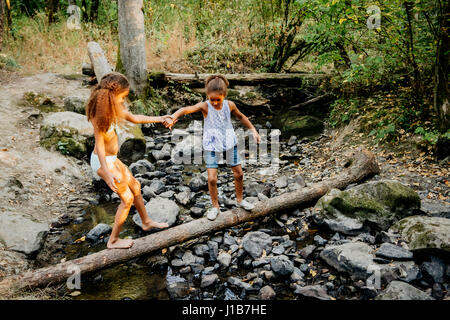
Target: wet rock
x,y
391,251
213,250
314,291
398,290
98,231
281,265
197,212
266,293
22,234
381,203
141,167
177,286
198,182
159,210
233,281
208,280
424,233
183,197
306,252
319,240
229,295
224,259
255,242
433,270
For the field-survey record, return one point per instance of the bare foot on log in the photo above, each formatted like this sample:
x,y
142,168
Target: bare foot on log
x,y
120,244
153,224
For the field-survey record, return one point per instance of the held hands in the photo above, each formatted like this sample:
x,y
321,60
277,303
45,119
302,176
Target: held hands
x,y
168,121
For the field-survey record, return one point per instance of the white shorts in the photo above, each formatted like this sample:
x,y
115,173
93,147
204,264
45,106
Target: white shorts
x,y
95,162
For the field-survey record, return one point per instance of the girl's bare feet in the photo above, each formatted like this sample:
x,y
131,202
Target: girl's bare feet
x,y
153,224
120,244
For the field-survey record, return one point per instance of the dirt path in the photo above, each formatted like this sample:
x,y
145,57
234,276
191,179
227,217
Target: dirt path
x,y
37,183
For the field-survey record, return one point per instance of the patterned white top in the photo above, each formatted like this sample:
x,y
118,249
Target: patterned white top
x,y
218,132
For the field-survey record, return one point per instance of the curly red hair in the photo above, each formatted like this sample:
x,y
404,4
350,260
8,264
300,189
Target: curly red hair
x,y
101,106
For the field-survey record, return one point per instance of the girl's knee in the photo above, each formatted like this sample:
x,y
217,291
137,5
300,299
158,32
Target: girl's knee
x,y
127,199
212,180
135,187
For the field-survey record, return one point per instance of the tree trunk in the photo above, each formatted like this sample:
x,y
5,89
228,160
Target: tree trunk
x,y
132,43
94,10
362,165
441,90
2,22
52,8
98,60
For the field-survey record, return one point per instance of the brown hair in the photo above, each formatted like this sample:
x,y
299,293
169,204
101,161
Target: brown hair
x,y
101,102
216,83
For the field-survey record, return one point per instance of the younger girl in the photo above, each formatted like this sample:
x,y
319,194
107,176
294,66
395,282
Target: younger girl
x,y
219,137
105,110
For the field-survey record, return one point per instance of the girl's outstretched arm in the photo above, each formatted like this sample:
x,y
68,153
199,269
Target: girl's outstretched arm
x,y
100,148
239,115
201,106
139,118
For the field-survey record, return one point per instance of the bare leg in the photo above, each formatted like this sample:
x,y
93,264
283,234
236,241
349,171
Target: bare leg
x,y
212,186
238,181
147,223
114,241
126,198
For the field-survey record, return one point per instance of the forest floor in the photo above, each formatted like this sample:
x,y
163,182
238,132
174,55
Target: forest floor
x,y
53,185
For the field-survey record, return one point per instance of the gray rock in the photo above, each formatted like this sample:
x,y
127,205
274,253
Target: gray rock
x,y
228,239
21,234
141,166
75,104
314,291
435,208
198,183
382,203
391,251
319,240
167,194
399,290
177,286
424,233
278,249
98,231
253,188
255,242
281,265
208,280
229,295
183,197
266,293
434,270
297,275
213,250
12,263
306,252
201,249
281,182
224,259
160,210
157,186
239,283
197,212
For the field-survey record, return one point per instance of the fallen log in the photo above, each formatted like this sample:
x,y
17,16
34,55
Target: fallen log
x,y
98,60
197,80
361,165
311,101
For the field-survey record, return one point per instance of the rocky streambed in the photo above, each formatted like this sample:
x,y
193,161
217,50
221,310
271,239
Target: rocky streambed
x,y
377,240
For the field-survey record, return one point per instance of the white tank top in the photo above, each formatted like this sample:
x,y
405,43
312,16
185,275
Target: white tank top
x,y
218,131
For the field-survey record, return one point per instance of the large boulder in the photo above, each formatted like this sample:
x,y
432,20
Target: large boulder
x,y
188,147
160,210
424,233
12,263
301,126
376,203
399,290
70,133
357,259
21,234
256,242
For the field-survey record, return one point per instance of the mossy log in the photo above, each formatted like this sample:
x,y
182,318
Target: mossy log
x,y
361,164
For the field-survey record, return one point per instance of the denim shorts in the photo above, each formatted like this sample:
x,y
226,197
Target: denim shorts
x,y
212,158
